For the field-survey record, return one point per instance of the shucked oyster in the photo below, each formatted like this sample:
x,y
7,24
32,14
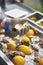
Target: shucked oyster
x,y
35,39
13,53
34,47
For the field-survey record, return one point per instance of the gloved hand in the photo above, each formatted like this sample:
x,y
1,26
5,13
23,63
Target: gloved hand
x,y
9,26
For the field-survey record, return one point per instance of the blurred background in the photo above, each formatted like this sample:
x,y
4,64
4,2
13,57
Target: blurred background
x,y
36,4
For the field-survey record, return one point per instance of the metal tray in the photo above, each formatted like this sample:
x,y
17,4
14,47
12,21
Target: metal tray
x,y
4,60
33,23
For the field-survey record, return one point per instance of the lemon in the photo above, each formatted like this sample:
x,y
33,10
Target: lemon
x,y
25,49
30,33
19,60
11,46
33,18
40,61
25,40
